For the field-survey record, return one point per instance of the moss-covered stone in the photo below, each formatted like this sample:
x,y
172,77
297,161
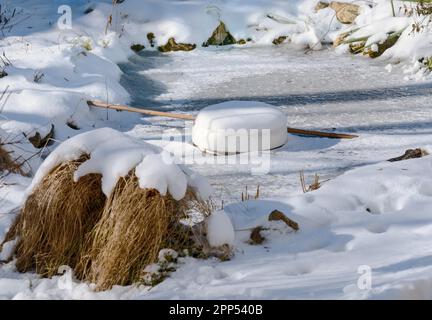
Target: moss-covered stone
x,y
220,37
151,39
137,47
279,40
388,43
172,45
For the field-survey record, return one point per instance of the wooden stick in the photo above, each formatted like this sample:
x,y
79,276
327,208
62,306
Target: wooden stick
x,y
322,134
100,104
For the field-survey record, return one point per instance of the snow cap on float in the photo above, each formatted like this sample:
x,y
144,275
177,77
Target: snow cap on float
x,y
239,126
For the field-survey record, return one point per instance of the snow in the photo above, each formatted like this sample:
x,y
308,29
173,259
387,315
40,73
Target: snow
x,y
369,214
114,155
239,126
220,231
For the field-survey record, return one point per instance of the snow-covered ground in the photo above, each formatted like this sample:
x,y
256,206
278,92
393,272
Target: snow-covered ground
x,y
371,216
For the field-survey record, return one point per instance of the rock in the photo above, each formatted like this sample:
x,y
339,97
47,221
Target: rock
x,y
151,39
410,154
279,40
38,142
172,45
321,5
256,237
277,215
137,47
3,74
241,42
345,12
220,37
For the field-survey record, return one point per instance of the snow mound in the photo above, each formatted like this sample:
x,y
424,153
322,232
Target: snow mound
x,y
239,126
114,154
220,230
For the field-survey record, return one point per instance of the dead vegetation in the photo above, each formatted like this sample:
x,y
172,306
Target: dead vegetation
x,y
245,196
315,185
39,141
4,63
55,219
7,163
38,76
107,241
10,17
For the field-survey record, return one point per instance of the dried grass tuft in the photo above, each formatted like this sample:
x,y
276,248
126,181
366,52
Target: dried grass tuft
x,y
55,219
135,225
107,241
7,164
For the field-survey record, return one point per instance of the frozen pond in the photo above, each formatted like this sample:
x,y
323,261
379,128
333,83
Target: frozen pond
x,y
318,90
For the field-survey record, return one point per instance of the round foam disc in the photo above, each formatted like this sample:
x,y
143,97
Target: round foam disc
x,y
239,126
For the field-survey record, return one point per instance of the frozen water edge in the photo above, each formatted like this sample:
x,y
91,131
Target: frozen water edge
x,y
319,90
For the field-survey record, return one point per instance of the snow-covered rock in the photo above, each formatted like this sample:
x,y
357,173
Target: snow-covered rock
x,y
239,126
220,230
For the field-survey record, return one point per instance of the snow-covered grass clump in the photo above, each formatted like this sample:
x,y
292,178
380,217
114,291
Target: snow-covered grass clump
x,y
114,155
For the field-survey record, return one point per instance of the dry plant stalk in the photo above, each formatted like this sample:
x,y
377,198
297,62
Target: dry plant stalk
x,y
245,195
314,186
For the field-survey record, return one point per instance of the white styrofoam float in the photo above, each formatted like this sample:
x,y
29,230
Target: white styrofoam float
x,y
239,126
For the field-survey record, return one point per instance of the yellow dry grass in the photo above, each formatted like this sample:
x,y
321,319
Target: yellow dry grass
x,y
55,219
107,241
7,163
